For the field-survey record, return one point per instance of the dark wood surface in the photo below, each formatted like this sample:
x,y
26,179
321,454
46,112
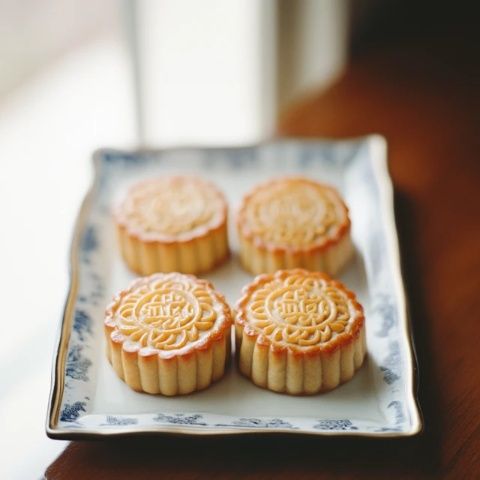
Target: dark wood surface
x,y
423,100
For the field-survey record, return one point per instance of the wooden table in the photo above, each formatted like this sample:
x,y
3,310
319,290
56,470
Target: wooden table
x,y
423,101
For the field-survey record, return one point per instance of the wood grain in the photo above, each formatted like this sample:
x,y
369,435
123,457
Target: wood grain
x,y
424,102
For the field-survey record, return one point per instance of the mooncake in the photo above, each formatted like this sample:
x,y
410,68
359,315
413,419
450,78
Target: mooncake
x,y
294,222
168,333
173,224
299,332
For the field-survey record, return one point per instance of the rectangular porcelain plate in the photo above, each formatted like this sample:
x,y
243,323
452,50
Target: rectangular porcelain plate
x,y
88,399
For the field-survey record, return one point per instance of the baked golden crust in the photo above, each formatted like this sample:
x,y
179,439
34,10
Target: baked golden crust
x,y
168,333
169,224
294,222
299,332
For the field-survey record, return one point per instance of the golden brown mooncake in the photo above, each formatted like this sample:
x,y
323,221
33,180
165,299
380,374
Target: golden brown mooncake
x,y
173,224
299,332
168,333
294,222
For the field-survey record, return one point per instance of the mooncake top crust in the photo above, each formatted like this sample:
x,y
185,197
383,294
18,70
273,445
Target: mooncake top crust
x,y
168,314
294,214
172,209
300,311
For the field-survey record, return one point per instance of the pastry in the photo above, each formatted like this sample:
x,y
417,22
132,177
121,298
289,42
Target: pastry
x,y
168,333
173,224
299,332
294,222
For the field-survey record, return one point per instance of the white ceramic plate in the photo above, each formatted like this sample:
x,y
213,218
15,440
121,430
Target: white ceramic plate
x,y
88,399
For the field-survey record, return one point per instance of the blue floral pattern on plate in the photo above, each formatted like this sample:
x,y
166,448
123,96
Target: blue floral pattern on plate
x,y
343,425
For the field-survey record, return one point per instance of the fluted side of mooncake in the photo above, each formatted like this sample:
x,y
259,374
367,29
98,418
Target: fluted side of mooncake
x,y
197,255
